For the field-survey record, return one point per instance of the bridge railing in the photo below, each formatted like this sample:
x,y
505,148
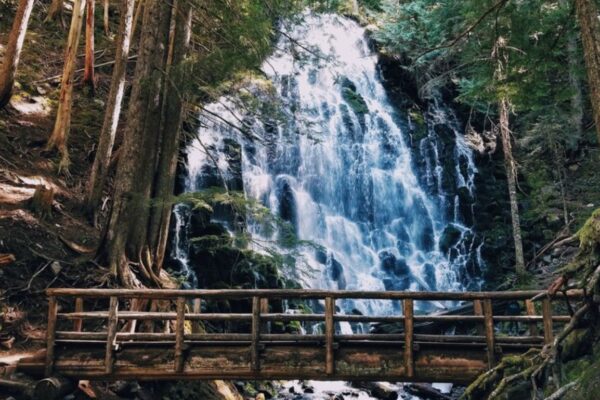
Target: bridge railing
x,y
118,317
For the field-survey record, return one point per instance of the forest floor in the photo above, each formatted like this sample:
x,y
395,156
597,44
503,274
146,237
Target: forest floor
x,y
53,249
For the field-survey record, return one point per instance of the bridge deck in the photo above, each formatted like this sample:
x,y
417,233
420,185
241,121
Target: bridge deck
x,y
181,336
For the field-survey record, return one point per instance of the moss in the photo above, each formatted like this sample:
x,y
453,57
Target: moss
x,y
576,344
353,98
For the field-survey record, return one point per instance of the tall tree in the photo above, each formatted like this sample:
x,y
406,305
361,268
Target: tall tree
x,y
106,17
587,13
171,128
62,125
13,50
88,73
113,109
501,56
126,237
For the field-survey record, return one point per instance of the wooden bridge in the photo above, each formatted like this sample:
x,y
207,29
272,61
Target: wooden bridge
x,y
188,335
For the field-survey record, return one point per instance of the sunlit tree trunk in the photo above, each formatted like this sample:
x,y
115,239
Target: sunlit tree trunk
x,y
88,74
587,14
113,110
136,17
16,39
106,18
62,125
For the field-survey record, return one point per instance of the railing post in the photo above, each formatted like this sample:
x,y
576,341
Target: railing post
x,y
197,309
78,323
51,334
179,334
409,365
530,308
264,309
489,332
547,316
478,310
329,334
111,334
255,362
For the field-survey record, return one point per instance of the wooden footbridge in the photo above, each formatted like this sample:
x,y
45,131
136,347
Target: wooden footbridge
x,y
183,337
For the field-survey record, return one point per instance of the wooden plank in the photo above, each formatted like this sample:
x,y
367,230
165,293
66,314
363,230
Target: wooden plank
x,y
489,332
255,362
408,337
111,330
547,316
304,294
78,323
179,334
530,308
329,335
50,335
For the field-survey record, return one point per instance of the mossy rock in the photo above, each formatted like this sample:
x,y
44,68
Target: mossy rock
x,y
576,344
353,98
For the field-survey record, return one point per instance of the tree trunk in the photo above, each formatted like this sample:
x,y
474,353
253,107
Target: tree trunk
x,y
13,50
88,73
56,12
62,125
136,17
500,55
113,109
587,13
171,128
126,236
106,17
511,175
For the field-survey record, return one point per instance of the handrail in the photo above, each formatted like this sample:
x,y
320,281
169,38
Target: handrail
x,y
304,294
180,311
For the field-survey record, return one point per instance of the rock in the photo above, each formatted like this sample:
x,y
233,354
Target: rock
x,y
260,396
336,271
353,98
576,344
429,275
425,391
449,238
379,390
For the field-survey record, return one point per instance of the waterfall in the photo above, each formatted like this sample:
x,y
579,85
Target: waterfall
x,y
386,208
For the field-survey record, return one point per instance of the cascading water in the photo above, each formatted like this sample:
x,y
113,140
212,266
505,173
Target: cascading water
x,y
387,209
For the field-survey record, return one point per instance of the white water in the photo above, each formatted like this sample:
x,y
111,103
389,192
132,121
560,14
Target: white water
x,y
349,182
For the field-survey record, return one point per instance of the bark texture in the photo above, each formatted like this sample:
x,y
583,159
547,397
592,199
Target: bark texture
x,y
511,175
106,17
587,13
113,109
55,11
147,146
88,73
62,125
500,55
171,127
13,50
